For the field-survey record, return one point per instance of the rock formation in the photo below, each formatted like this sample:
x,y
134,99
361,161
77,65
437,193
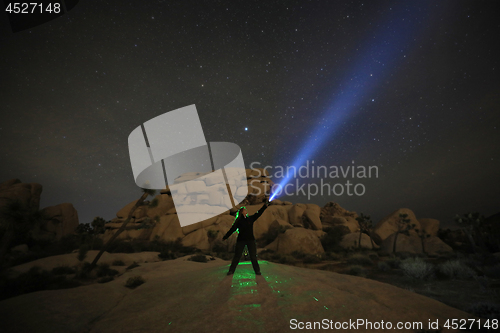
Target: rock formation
x,y
61,220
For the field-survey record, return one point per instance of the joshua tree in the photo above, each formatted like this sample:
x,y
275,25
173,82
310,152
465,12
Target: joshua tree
x,y
423,235
98,225
365,226
471,224
17,220
140,202
404,227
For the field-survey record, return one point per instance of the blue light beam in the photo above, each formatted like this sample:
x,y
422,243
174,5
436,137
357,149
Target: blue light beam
x,y
389,45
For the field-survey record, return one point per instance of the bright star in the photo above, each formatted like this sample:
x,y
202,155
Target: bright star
x,y
246,128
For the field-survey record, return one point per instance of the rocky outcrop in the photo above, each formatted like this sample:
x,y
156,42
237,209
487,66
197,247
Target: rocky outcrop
x,y
311,217
352,241
26,193
304,223
389,224
348,221
297,239
429,226
410,244
434,246
332,214
62,219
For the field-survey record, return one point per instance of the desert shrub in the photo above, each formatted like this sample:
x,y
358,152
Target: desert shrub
x,y
176,247
82,252
133,265
68,243
228,256
134,282
286,259
118,263
266,254
33,280
333,237
485,310
383,266
83,271
219,247
359,259
492,271
103,269
404,255
456,269
373,255
330,256
298,254
311,259
394,262
61,270
167,255
105,279
198,258
417,268
328,267
121,246
356,270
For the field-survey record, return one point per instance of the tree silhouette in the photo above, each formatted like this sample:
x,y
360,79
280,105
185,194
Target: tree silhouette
x,y
423,235
365,226
140,202
404,227
471,224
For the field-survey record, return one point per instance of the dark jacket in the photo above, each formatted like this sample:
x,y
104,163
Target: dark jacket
x,y
245,226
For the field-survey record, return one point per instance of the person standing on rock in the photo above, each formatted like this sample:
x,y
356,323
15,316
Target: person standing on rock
x,y
244,224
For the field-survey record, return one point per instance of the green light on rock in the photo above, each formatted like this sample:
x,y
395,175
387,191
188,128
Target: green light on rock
x,y
315,299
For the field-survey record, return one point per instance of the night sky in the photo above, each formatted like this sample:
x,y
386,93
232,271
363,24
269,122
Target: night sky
x,y
410,87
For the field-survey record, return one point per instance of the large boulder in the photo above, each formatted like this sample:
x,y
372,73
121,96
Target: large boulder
x,y
199,238
62,219
140,212
297,239
334,209
434,246
295,215
351,241
348,221
311,217
429,226
278,225
26,193
165,204
261,226
167,229
389,224
409,244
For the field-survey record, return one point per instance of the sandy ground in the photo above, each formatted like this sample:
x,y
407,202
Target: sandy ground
x,y
186,296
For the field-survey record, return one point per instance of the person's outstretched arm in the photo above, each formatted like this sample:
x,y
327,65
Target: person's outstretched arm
x,y
260,211
230,232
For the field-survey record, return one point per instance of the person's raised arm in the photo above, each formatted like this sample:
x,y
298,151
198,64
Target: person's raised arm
x,y
260,211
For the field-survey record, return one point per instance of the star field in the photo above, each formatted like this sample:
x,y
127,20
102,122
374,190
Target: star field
x,y
267,76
